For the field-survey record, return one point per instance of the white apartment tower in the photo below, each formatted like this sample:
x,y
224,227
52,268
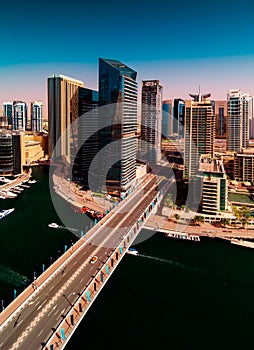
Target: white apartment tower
x,y
239,109
36,115
19,115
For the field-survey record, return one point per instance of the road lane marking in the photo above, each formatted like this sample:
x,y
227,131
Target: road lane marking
x,y
51,287
50,312
40,333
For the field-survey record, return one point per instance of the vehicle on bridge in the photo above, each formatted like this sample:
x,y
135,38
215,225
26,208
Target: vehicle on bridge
x,y
94,259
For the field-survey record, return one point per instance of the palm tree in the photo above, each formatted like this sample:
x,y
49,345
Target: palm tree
x,y
168,202
177,216
198,219
224,222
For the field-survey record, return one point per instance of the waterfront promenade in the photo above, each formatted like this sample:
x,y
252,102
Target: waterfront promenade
x,y
157,222
6,187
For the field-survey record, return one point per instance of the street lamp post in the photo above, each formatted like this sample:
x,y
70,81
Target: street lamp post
x,y
2,302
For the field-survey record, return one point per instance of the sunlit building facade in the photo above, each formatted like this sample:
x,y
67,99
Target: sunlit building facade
x,y
239,107
199,131
63,109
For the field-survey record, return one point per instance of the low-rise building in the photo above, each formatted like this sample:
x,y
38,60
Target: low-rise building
x,y
214,189
244,165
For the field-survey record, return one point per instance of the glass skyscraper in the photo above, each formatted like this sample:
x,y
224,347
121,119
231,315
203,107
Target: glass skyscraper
x,y
178,120
151,121
19,115
118,92
8,110
87,133
167,118
36,115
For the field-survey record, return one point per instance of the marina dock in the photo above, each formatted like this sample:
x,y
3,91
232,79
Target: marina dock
x,y
11,188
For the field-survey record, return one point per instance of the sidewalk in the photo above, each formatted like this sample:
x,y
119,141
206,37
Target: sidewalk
x,y
156,222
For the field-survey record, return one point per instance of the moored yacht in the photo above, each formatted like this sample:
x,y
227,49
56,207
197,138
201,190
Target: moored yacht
x,y
4,213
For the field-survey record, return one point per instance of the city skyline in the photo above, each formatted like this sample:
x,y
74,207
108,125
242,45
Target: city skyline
x,y
182,46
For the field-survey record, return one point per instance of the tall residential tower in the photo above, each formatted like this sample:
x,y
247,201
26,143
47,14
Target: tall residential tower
x,y
36,115
239,106
19,115
63,109
151,121
199,130
118,91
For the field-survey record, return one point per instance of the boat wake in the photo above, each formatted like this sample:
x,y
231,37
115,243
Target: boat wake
x,y
171,262
12,277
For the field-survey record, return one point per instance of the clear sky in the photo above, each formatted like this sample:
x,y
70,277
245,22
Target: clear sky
x,y
181,43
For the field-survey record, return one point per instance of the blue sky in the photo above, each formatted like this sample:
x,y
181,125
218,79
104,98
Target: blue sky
x,y
182,43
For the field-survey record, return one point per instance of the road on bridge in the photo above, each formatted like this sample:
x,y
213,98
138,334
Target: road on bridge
x,y
44,311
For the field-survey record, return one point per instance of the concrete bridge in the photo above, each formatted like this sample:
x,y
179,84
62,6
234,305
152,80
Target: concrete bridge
x,y
46,314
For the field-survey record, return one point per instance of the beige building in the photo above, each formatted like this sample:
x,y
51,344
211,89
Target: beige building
x,y
220,110
62,111
244,165
214,185
199,132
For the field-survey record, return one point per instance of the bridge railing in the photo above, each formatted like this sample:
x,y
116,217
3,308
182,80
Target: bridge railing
x,y
74,316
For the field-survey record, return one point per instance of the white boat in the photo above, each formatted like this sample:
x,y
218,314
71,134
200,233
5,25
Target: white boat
x,y
184,236
53,225
31,181
25,186
132,251
10,194
3,179
4,213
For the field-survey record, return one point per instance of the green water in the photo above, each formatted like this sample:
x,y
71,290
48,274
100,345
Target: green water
x,y
26,241
176,295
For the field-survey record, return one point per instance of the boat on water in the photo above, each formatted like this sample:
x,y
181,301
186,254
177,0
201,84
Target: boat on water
x,y
32,181
53,225
9,194
25,186
132,251
5,212
183,236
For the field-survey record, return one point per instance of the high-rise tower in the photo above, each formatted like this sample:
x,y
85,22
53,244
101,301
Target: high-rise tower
x,y
36,115
8,111
199,130
178,120
118,92
63,109
220,118
167,118
151,121
19,115
239,107
87,133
